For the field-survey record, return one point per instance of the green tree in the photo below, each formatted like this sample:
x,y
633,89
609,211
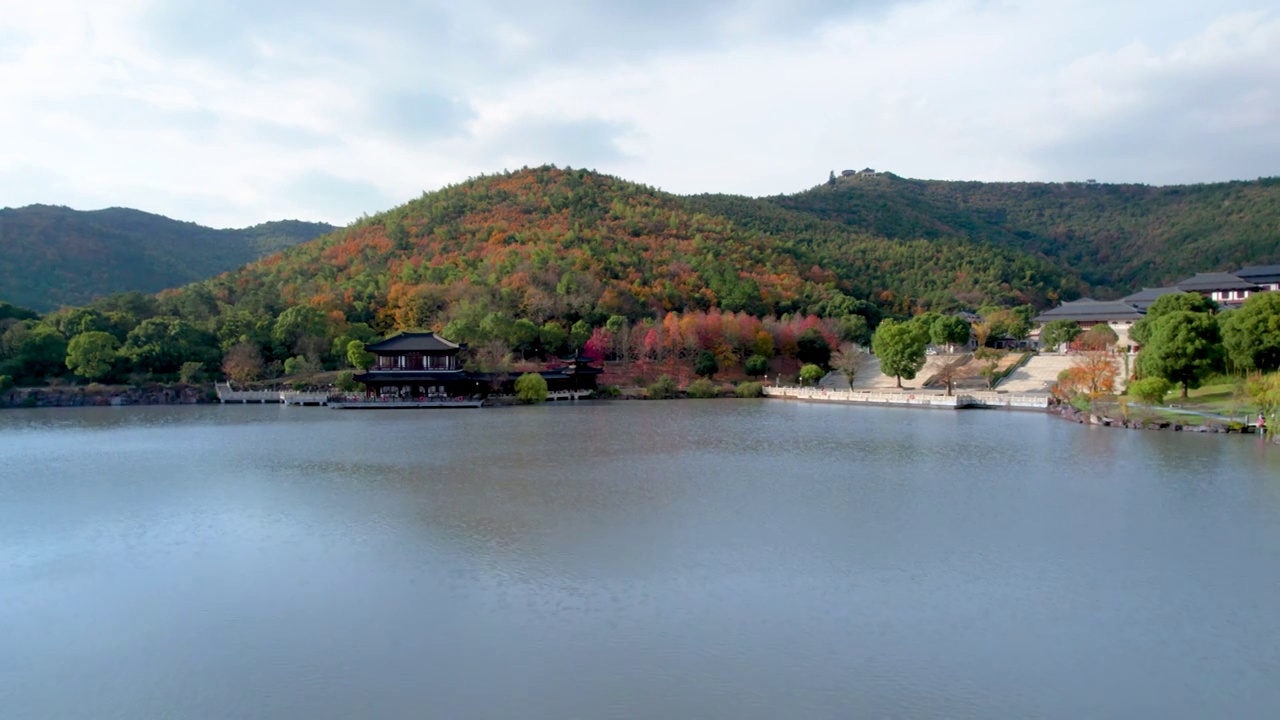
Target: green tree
x,y
810,374
359,358
949,330
705,364
1265,391
854,329
91,354
531,388
298,324
1059,332
160,345
900,348
191,373
552,336
1184,347
756,365
812,347
1150,391
524,336
1165,304
579,334
32,352
1251,334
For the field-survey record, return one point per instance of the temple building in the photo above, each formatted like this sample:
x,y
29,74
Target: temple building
x,y
424,367
572,373
1266,277
1087,312
419,365
1222,288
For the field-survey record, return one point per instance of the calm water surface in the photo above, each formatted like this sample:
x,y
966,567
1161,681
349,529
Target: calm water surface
x,y
631,560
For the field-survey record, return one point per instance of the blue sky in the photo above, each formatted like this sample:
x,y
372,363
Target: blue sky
x,y
235,112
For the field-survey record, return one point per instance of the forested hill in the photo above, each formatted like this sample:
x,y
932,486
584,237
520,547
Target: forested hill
x,y
52,256
1118,237
563,244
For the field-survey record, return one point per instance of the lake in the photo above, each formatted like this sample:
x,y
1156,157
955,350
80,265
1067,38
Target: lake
x,y
714,559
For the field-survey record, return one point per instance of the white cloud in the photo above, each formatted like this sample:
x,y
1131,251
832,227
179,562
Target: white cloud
x,y
233,113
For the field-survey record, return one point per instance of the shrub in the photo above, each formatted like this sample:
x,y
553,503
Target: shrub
x,y
756,365
531,388
6,382
608,391
702,388
1150,390
749,390
986,353
706,364
191,373
346,382
811,374
663,388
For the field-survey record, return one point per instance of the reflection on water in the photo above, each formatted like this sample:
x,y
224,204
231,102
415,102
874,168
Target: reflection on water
x,y
721,559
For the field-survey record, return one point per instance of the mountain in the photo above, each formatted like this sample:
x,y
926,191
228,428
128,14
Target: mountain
x,y
563,244
52,256
1118,237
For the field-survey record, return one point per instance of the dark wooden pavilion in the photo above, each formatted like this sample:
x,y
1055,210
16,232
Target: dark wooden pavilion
x,y
419,365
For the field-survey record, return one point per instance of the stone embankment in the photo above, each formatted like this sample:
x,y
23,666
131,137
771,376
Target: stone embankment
x,y
1066,412
89,396
913,398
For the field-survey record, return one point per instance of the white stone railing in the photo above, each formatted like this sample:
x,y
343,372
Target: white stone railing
x,y
910,398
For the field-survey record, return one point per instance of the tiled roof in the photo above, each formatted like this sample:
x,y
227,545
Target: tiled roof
x,y
1201,282
1259,273
1090,310
413,342
1144,297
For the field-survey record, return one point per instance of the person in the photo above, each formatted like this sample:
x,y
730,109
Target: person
x,y
1262,421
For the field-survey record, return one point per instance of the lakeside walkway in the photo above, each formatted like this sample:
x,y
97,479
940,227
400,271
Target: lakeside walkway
x,y
914,398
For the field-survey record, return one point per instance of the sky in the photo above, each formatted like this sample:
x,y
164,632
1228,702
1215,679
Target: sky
x,y
234,112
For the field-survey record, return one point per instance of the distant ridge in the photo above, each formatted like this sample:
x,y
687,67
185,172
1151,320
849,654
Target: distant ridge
x,y
1118,237
52,256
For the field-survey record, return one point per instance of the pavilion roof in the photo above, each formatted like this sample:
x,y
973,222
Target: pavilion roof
x,y
413,342
1090,310
1146,296
1259,273
1201,282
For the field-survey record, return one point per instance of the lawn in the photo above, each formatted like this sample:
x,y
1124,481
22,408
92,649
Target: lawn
x,y
1219,398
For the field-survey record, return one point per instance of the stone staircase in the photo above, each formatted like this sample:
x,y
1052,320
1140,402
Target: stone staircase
x,y
1037,374
871,378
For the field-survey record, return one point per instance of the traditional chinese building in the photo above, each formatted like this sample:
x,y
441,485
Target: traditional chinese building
x,y
572,373
1222,288
1087,312
419,365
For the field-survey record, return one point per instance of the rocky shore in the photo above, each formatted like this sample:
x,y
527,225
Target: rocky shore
x,y
1071,414
106,395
